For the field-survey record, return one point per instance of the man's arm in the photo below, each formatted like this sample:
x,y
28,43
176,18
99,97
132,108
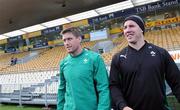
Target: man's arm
x,y
115,90
172,75
61,91
102,84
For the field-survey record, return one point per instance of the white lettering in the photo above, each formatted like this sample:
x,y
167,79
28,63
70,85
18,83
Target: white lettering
x,y
154,7
170,3
141,9
103,18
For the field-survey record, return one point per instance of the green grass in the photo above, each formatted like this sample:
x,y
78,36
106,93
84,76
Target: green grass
x,y
171,100
173,103
16,107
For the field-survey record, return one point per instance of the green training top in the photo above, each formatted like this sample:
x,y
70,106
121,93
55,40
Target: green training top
x,y
83,83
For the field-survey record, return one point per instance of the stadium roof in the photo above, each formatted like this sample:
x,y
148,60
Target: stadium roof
x,y
18,15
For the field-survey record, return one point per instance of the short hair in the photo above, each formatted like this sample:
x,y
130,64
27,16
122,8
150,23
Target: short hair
x,y
74,30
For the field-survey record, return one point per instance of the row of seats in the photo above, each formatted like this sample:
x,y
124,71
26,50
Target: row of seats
x,y
51,88
49,58
11,82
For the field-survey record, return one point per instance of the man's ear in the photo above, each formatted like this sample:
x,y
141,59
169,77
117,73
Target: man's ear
x,y
141,30
80,39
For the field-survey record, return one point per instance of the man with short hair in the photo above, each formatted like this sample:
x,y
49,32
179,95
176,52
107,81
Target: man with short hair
x,y
83,77
139,71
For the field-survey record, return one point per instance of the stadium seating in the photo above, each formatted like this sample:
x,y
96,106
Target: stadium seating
x,y
166,38
49,58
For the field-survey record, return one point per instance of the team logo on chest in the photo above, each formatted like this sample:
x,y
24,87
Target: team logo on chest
x,y
123,56
85,60
153,53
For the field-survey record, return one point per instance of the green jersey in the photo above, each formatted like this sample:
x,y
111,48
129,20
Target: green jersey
x,y
83,83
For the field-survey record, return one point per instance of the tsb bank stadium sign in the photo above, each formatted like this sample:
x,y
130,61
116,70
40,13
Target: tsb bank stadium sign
x,y
158,5
136,10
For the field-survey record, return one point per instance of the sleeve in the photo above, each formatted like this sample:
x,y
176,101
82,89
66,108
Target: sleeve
x,y
172,75
115,89
61,90
102,84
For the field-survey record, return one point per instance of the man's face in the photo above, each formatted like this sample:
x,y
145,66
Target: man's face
x,y
71,43
132,31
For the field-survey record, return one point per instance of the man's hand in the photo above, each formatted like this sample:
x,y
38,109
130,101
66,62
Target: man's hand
x,y
127,108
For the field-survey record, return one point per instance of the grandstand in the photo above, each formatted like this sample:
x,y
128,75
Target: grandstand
x,y
34,78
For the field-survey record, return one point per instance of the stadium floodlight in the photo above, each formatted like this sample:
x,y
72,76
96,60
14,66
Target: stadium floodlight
x,y
143,2
56,22
3,37
14,33
33,28
115,7
83,15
